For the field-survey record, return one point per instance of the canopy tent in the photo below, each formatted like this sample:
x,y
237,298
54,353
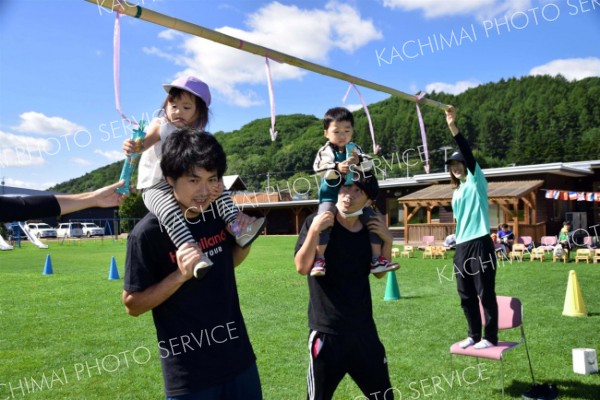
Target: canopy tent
x,y
506,195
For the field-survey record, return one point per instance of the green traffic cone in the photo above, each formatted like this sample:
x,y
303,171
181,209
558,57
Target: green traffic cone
x,y
391,290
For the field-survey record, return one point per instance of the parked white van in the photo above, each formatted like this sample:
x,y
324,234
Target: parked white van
x,y
69,229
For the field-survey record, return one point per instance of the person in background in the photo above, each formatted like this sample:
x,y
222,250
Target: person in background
x,y
506,238
565,238
450,241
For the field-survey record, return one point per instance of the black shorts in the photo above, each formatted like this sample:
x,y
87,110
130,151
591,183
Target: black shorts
x,y
362,356
243,386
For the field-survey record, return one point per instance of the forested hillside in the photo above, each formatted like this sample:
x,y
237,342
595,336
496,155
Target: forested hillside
x,y
92,180
522,121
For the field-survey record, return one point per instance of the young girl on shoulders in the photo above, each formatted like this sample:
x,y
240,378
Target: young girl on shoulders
x,y
186,105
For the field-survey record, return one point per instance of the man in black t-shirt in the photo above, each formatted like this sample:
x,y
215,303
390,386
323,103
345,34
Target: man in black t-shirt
x,y
203,344
343,338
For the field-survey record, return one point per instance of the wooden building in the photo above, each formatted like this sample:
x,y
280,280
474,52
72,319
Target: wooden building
x,y
422,202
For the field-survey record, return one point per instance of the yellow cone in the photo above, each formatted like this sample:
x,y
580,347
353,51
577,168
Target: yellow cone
x,y
574,306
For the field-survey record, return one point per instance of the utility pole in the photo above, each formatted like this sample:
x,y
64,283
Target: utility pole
x,y
446,148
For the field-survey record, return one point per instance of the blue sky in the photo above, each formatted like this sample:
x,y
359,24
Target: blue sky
x,y
57,108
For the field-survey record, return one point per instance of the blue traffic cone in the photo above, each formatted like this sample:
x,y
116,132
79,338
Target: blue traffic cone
x,y
113,274
391,290
48,266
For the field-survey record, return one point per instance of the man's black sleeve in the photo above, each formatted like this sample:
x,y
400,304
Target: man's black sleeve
x,y
29,207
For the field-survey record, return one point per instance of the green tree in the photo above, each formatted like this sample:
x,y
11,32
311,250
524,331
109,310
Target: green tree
x,y
528,120
589,147
132,207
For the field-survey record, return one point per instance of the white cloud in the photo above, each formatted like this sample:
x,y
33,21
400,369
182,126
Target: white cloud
x,y
354,107
16,158
479,8
314,33
451,88
28,184
170,34
112,155
10,140
572,69
38,123
81,162
175,59
22,151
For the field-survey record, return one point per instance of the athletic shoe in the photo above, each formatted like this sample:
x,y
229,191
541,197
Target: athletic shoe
x,y
382,264
202,266
466,343
244,239
483,344
318,268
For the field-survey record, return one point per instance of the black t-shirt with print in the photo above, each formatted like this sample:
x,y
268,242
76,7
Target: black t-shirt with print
x,y
340,301
202,337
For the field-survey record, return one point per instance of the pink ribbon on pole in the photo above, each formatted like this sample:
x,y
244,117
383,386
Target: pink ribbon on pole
x,y
116,67
422,125
272,130
376,147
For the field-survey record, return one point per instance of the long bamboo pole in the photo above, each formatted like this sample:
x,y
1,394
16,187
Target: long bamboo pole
x,y
146,14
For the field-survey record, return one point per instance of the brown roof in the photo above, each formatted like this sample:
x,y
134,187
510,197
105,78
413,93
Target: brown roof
x,y
442,194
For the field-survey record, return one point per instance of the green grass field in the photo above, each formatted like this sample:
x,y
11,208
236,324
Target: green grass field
x,y
67,336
